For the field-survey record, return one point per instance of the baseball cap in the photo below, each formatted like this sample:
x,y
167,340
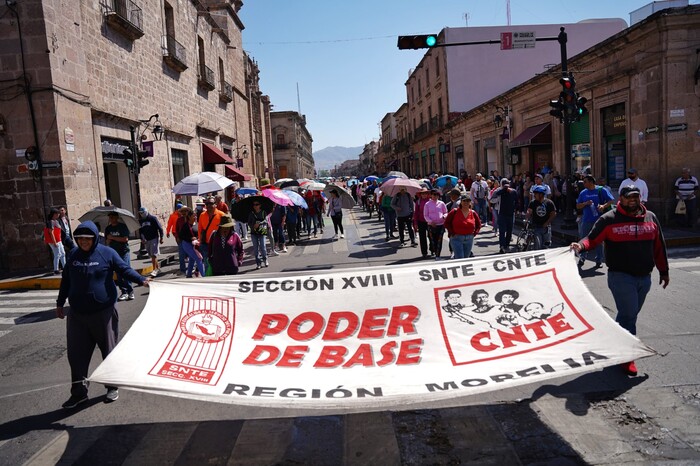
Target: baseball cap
x,y
210,200
540,189
538,175
632,170
504,182
630,190
143,210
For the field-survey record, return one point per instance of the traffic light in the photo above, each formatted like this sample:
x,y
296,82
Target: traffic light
x,y
569,98
557,108
128,158
581,109
32,156
423,41
143,159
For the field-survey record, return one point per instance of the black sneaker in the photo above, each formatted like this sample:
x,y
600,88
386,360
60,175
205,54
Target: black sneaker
x,y
112,395
581,261
74,401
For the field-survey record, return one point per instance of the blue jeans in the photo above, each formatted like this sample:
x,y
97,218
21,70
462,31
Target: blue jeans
x,y
480,207
544,235
278,233
389,220
123,284
194,259
311,220
505,230
629,293
586,228
259,250
181,253
462,245
204,250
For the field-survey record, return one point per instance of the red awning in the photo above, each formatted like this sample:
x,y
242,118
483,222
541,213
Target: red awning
x,y
533,136
232,173
212,154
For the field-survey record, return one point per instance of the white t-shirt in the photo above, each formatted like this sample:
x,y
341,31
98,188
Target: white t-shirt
x,y
643,190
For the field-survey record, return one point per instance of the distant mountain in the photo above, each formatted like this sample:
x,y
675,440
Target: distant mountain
x,y
327,158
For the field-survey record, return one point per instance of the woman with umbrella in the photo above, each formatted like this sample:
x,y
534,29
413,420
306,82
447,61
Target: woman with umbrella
x,y
257,222
226,248
335,212
190,243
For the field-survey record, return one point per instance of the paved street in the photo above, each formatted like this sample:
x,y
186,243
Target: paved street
x,y
598,418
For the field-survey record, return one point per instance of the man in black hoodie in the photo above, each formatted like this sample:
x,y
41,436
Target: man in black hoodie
x,y
88,285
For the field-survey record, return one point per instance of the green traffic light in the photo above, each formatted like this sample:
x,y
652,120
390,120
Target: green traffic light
x,y
430,41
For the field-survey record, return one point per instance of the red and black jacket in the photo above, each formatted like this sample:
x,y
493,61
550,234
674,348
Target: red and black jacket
x,y
633,243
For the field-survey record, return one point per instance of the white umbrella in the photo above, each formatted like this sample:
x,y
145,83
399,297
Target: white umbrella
x,y
100,215
279,182
346,199
314,186
393,186
202,183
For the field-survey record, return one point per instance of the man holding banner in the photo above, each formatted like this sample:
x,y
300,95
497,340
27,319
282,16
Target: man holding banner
x,y
634,243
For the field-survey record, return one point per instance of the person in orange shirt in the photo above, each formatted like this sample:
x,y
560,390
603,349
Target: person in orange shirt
x,y
172,227
220,204
208,223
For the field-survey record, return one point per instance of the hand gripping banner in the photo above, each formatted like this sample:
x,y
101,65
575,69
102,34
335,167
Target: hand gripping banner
x,y
370,338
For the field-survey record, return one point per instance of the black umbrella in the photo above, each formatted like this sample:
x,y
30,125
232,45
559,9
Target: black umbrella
x,y
242,209
288,184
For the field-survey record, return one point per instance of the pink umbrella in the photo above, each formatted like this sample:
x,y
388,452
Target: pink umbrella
x,y
278,197
393,186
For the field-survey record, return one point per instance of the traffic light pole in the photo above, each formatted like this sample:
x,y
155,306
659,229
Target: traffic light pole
x,y
134,157
569,204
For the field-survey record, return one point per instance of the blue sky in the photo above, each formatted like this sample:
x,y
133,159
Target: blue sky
x,y
343,54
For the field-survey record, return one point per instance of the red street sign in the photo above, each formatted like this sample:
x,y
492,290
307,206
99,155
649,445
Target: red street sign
x,y
506,40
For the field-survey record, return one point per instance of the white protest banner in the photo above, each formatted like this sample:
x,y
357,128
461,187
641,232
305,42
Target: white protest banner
x,y
370,338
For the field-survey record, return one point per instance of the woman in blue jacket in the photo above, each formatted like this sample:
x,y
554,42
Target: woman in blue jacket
x,y
88,285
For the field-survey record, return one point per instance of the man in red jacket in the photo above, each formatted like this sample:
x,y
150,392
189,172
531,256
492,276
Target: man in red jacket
x,y
634,244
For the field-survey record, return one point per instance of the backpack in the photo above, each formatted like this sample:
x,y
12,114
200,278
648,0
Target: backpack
x,y
602,201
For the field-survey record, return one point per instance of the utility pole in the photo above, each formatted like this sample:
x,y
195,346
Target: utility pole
x,y
569,217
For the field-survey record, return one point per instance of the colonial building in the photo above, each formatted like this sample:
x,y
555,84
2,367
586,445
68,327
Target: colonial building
x,y
643,88
451,80
291,145
259,108
85,84
368,159
386,159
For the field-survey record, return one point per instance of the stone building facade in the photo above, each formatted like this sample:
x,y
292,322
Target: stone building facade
x,y
643,91
291,145
642,86
451,80
83,74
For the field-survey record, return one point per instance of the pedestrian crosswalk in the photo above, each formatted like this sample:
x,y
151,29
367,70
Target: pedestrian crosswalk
x,y
24,306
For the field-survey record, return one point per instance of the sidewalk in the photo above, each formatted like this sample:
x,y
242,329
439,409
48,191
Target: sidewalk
x,y
674,236
49,281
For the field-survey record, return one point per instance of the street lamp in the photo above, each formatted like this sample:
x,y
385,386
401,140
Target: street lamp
x,y
241,153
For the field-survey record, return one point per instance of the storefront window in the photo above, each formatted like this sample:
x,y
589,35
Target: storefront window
x,y
615,144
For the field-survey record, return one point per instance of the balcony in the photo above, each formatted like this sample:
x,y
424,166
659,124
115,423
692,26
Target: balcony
x,y
280,146
206,77
174,54
124,16
226,92
421,131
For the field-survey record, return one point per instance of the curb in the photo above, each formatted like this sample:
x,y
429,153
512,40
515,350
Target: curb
x,y
54,282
